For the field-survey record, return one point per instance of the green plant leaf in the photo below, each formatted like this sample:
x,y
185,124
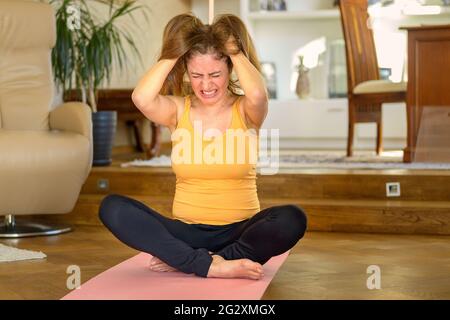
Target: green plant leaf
x,y
84,57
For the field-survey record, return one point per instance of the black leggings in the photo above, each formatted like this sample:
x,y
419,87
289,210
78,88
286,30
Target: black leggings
x,y
185,247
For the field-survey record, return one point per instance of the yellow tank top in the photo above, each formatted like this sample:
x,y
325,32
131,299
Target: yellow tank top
x,y
215,177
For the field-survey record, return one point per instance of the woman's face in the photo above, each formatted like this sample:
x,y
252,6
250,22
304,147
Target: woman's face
x,y
209,77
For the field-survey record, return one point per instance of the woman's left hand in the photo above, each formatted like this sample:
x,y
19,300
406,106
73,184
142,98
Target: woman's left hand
x,y
231,46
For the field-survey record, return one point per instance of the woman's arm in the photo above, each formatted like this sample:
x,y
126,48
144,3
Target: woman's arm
x,y
158,108
255,102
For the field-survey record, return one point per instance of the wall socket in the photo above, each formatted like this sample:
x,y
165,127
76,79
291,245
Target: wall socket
x,y
393,189
103,184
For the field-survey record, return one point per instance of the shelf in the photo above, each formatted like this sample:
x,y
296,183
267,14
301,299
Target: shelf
x,y
289,15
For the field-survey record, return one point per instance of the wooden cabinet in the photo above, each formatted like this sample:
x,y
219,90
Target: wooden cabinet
x,y
428,95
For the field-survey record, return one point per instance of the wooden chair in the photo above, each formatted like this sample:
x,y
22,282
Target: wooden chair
x,y
366,92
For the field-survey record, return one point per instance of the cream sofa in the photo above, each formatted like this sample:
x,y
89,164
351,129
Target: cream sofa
x,y
45,155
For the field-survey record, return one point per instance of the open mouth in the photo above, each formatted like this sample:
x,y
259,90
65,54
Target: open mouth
x,y
208,94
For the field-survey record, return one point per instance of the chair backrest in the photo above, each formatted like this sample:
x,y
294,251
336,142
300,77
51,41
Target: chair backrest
x,y
27,35
362,64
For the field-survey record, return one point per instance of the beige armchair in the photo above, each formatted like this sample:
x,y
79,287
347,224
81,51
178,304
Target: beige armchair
x,y
45,155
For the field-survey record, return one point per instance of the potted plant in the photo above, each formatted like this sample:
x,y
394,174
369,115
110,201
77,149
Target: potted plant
x,y
86,50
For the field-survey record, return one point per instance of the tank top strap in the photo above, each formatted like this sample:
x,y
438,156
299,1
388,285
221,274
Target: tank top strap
x,y
187,104
184,119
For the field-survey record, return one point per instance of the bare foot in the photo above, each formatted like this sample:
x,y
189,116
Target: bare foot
x,y
157,265
241,268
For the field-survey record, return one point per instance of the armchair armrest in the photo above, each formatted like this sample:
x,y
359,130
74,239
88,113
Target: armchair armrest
x,y
72,116
75,117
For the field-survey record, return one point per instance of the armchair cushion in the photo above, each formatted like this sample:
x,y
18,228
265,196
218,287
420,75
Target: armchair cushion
x,y
27,35
40,170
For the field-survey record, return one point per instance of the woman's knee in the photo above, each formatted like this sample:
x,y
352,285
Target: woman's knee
x,y
294,219
109,207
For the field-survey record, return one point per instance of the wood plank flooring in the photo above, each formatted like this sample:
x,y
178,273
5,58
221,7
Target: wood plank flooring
x,y
321,266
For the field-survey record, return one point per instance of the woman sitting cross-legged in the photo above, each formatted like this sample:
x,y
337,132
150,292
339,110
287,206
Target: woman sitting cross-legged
x,y
218,228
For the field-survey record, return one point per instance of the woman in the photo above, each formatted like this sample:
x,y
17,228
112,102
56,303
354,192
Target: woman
x,y
218,229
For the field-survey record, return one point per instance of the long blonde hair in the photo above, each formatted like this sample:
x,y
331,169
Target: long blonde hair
x,y
185,35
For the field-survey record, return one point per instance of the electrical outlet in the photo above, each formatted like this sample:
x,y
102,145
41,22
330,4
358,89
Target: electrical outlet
x,y
103,184
393,189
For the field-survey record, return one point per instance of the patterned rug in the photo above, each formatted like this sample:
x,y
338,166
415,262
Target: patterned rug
x,y
321,159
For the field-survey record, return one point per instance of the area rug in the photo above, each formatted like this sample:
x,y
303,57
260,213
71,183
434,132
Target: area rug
x,y
133,280
319,159
9,254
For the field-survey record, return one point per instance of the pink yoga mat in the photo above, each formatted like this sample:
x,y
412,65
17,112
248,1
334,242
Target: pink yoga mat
x,y
132,279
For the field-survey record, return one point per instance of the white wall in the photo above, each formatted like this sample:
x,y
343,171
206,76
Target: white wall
x,y
200,8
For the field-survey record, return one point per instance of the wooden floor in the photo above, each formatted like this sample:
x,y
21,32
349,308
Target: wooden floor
x,y
321,266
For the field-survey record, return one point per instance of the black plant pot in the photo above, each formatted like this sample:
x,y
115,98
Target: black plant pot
x,y
104,130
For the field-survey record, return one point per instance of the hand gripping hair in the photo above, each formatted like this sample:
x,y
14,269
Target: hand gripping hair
x,y
185,35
